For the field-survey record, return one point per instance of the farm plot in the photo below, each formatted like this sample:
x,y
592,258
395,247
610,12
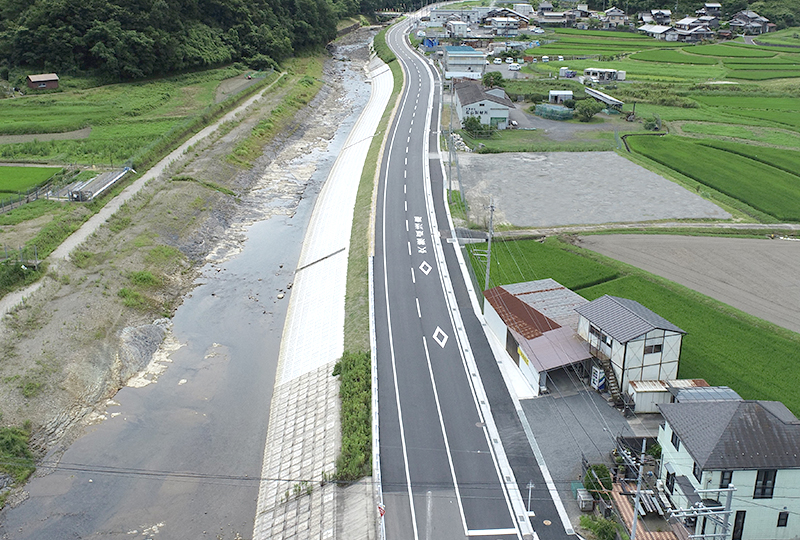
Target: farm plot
x,y
787,36
728,51
673,56
778,137
723,345
19,179
765,188
786,160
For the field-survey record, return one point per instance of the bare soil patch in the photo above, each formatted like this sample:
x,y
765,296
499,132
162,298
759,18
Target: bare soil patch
x,y
759,277
67,135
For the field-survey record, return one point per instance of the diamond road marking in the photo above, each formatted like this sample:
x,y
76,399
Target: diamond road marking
x,y
425,267
440,337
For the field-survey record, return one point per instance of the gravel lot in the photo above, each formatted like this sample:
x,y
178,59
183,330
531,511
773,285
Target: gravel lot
x,y
565,188
760,277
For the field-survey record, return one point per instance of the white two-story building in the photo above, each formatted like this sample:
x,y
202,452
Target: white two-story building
x,y
753,446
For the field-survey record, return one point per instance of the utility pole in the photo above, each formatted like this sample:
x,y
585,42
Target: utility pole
x,y
489,250
638,491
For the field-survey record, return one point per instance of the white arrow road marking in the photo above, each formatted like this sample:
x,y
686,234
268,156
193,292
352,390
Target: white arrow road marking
x,y
440,337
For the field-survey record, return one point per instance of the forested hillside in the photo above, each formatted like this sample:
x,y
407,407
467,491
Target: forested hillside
x,y
129,39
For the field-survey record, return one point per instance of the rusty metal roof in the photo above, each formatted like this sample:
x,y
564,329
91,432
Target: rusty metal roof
x,y
44,77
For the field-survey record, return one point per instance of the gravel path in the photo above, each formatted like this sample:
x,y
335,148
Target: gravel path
x,y
563,188
759,277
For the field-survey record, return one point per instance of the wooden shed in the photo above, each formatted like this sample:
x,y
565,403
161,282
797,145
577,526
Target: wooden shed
x,y
44,81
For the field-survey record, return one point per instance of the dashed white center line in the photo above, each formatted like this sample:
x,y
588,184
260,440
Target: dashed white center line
x,y
408,139
413,276
409,248
405,186
406,225
406,158
405,203
405,173
419,313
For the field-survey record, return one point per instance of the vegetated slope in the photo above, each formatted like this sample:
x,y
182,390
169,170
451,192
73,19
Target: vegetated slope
x,y
761,186
130,39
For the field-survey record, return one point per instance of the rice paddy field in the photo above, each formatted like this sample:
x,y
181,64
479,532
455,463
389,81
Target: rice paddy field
x,y
20,179
124,118
787,36
648,59
723,346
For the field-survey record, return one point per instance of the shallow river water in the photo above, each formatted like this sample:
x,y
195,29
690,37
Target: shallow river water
x,y
180,457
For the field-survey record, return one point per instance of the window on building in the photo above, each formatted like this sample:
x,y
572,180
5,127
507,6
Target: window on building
x,y
652,349
725,478
676,442
670,482
783,518
765,484
697,471
738,525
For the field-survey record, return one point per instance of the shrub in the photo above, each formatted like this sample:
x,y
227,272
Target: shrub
x,y
570,103
603,529
355,391
597,488
586,109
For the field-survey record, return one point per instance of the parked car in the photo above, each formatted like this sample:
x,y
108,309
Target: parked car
x,y
509,60
538,30
560,58
513,67
497,61
545,58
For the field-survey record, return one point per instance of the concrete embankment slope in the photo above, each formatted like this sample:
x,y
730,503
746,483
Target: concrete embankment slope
x,y
304,432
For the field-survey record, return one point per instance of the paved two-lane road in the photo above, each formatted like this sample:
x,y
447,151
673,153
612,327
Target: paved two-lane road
x,y
445,473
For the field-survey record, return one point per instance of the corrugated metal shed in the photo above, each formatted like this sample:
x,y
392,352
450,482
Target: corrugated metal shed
x,y
710,393
541,316
623,319
737,434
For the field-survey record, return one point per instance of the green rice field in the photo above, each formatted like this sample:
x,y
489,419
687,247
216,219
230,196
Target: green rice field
x,y
673,56
766,188
765,135
124,118
786,160
20,179
723,346
787,36
728,51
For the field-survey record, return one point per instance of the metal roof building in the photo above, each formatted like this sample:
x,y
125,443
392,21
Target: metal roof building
x,y
536,321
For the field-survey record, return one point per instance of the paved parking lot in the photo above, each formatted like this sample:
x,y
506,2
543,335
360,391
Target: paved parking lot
x,y
566,188
573,422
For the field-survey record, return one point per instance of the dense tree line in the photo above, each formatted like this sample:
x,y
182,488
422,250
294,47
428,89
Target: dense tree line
x,y
130,39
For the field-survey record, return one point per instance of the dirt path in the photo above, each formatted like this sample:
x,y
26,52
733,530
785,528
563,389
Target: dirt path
x,y
759,277
98,318
67,135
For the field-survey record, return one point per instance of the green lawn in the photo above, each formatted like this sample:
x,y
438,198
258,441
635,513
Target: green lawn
x,y
520,140
16,179
763,187
723,345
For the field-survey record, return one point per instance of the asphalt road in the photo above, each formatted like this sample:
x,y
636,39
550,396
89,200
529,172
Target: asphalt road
x,y
440,466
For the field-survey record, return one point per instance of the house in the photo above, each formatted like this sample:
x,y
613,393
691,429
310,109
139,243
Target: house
x,y
544,7
559,18
751,445
657,31
613,17
504,26
559,96
630,342
440,17
536,322
709,20
45,81
661,16
713,9
687,23
463,62
456,28
695,34
582,11
603,75
523,9
491,107
750,22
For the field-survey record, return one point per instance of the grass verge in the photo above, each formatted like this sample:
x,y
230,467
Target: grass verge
x,y
355,459
16,459
355,391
